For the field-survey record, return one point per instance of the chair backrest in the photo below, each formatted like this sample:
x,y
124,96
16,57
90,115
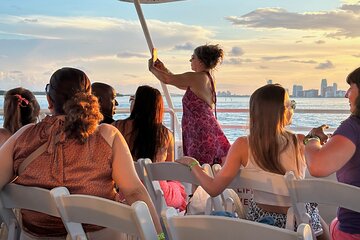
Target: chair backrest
x,y
171,171
216,227
268,188
328,211
321,191
77,208
18,196
139,170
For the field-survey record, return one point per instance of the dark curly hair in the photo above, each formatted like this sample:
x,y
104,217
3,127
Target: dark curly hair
x,y
20,108
210,55
70,92
354,77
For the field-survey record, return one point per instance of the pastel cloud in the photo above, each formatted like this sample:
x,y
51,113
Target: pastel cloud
x,y
94,44
342,22
186,46
236,51
325,65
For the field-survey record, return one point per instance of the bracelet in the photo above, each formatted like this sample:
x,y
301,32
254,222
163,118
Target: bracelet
x,y
161,236
310,137
193,164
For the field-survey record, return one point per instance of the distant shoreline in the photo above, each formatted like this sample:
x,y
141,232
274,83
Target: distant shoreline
x,y
2,92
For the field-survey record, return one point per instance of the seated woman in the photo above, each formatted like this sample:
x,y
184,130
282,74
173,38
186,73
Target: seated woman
x,y
81,155
20,108
340,155
147,137
269,147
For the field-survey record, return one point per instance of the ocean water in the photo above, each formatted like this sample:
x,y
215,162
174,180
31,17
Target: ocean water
x,y
300,120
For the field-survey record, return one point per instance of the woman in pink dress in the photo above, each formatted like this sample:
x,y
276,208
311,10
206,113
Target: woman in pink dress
x,y
203,138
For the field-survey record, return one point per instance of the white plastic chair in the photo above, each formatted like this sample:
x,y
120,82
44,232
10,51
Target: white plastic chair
x,y
172,171
207,227
134,220
321,191
230,200
15,196
328,212
266,184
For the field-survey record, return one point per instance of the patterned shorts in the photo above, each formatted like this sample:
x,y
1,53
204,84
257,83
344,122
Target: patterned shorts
x,y
255,213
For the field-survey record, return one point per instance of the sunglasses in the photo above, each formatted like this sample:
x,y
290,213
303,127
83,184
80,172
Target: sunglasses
x,y
47,88
293,104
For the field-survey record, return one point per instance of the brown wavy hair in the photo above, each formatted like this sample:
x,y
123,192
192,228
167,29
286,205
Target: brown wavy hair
x,y
20,108
267,127
354,77
210,55
70,93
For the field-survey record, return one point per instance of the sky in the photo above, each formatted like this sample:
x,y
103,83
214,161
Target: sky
x,y
287,41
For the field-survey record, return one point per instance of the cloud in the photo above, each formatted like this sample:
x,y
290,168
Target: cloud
x,y
320,42
326,65
236,51
263,67
131,75
275,58
185,46
342,22
131,55
355,8
356,55
306,62
233,61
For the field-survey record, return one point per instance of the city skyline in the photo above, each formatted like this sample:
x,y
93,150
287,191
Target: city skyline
x,y
289,42
326,90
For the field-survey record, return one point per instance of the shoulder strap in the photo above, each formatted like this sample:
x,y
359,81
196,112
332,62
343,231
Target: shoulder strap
x,y
35,154
213,91
31,157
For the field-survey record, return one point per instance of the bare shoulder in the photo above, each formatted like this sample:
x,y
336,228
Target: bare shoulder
x,y
241,142
108,132
4,133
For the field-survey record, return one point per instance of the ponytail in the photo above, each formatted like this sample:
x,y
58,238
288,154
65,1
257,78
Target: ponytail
x,y
82,116
20,108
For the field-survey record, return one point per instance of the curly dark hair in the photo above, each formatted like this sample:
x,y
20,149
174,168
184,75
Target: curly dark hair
x,y
210,55
20,108
70,92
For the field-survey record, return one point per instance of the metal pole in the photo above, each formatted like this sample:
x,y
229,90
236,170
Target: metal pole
x,y
151,46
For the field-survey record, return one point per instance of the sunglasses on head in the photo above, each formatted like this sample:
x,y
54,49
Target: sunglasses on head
x,y
293,104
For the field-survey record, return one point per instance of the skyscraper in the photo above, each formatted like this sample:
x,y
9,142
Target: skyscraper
x,y
323,87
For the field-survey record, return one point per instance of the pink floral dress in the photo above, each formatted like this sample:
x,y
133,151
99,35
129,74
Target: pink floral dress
x,y
203,138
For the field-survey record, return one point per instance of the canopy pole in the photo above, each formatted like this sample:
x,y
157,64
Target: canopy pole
x,y
151,46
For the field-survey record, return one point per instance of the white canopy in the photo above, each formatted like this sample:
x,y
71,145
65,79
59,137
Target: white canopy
x,y
151,1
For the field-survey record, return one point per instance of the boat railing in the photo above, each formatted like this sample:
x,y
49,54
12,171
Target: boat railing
x,y
172,113
177,134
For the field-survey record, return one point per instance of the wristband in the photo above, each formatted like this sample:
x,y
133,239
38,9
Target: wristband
x,y
193,164
310,137
161,236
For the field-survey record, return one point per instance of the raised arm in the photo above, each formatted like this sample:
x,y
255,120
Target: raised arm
x,y
182,81
327,159
124,174
236,158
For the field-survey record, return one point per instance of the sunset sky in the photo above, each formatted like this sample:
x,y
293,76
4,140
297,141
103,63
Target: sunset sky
x,y
288,41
